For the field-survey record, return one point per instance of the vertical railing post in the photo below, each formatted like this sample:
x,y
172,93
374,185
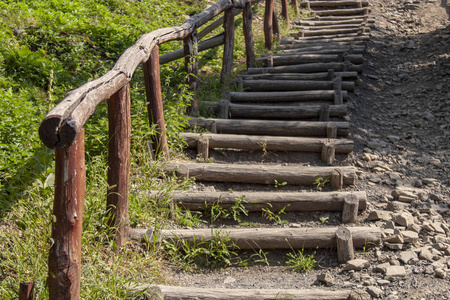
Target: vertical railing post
x,y
285,11
295,4
154,102
26,291
268,24
248,35
276,28
191,66
227,62
64,262
119,163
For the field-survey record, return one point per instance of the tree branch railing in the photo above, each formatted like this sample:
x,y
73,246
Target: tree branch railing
x,y
62,128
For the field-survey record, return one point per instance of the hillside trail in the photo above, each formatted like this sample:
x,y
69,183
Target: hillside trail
x,y
346,131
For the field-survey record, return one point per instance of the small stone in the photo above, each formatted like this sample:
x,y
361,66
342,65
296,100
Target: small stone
x,y
414,227
404,219
383,282
375,292
359,295
410,236
325,278
356,264
396,206
394,246
406,256
425,254
395,271
381,268
440,273
229,280
396,238
379,215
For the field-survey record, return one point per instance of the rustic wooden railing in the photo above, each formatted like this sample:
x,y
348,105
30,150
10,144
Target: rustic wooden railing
x,y
62,128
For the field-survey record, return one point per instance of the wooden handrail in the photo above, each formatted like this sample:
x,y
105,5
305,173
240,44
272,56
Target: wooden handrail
x,y
64,121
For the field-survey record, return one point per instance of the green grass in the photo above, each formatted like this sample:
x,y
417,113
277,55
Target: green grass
x,y
47,48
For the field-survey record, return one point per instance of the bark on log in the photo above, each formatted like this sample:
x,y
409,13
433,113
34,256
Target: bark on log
x,y
261,112
268,24
322,32
258,174
269,143
64,261
202,46
278,238
61,125
319,22
119,118
268,127
26,291
307,68
322,41
340,12
297,96
248,35
228,48
195,293
344,245
337,3
191,67
256,201
317,27
155,104
336,50
293,85
288,58
299,76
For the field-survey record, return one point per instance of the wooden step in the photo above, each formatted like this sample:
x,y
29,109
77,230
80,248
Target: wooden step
x,y
275,201
266,143
269,238
341,12
263,174
323,23
292,85
269,127
296,96
335,50
166,292
309,68
300,76
289,58
335,3
351,36
314,41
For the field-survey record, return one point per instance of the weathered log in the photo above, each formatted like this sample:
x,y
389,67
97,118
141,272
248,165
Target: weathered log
x,y
248,35
358,36
155,111
195,293
119,118
202,46
259,112
340,12
276,238
203,147
258,174
61,125
299,76
293,85
276,27
321,22
337,3
256,201
308,68
328,153
344,245
228,48
64,260
191,67
337,179
295,59
269,127
26,291
342,25
323,32
297,96
268,24
336,50
210,28
350,210
269,143
317,41
285,11
337,18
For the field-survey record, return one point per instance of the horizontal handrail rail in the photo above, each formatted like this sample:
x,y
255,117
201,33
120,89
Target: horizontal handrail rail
x,y
61,125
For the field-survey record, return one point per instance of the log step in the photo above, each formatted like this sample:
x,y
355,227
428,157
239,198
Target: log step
x,y
263,174
361,39
295,59
300,76
341,12
336,50
195,293
325,32
267,143
276,201
269,127
269,238
335,3
309,68
321,23
296,96
293,85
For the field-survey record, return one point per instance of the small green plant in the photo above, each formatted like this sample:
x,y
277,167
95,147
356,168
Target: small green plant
x,y
264,148
258,257
216,252
274,216
279,182
323,220
233,212
320,182
298,261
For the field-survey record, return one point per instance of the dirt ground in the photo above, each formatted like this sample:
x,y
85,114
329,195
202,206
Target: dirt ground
x,y
400,117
